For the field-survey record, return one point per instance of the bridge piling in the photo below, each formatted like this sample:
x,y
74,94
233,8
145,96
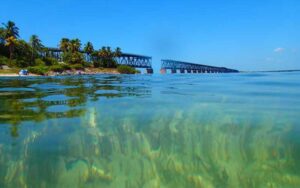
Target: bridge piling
x,y
163,71
149,71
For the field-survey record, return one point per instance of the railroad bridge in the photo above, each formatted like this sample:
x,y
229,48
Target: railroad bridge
x,y
183,67
136,61
132,60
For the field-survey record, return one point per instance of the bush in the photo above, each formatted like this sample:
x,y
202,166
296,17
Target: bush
x,y
96,64
124,69
57,68
78,67
4,60
39,62
65,66
73,58
40,70
49,61
87,64
22,63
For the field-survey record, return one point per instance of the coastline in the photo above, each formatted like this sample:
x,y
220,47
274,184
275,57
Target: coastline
x,y
87,71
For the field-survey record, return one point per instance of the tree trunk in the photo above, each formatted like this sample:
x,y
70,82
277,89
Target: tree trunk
x,y
11,52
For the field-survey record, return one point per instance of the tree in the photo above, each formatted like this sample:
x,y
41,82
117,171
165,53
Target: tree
x,y
64,44
88,48
11,30
101,52
3,49
117,52
11,42
2,35
10,33
36,45
107,56
71,51
75,45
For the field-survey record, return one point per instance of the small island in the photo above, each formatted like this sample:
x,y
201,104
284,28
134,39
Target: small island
x,y
69,58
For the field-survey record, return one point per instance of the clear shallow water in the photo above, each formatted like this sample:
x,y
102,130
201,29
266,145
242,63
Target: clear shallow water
x,y
149,131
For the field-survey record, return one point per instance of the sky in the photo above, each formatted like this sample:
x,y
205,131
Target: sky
x,y
247,35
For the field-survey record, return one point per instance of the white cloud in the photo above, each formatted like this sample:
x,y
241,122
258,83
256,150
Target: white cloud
x,y
279,50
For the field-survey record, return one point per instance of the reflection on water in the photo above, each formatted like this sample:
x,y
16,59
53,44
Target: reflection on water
x,y
38,99
235,130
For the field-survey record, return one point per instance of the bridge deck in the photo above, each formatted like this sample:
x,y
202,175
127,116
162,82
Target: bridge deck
x,y
133,60
189,67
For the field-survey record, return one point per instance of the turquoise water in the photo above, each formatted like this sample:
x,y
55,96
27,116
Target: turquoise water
x,y
149,131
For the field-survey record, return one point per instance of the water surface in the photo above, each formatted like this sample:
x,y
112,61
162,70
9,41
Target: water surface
x,y
150,131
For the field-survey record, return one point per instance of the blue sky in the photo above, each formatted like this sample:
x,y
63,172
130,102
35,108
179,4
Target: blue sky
x,y
246,35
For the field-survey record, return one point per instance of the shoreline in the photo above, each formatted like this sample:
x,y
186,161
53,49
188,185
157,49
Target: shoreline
x,y
88,71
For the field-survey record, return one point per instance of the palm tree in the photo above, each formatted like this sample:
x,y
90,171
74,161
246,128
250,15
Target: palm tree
x,y
11,43
2,35
36,44
102,52
64,44
89,48
11,30
117,52
10,33
75,45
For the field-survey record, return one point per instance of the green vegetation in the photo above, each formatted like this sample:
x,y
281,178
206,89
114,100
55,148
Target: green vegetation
x,y
124,69
17,53
40,70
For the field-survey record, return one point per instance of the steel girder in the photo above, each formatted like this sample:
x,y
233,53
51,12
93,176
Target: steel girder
x,y
179,65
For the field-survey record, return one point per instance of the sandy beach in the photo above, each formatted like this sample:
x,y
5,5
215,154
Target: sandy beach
x,y
8,74
14,75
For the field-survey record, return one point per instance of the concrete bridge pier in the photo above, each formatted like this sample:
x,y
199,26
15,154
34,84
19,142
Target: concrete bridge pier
x,y
149,71
182,71
194,71
163,71
173,71
189,70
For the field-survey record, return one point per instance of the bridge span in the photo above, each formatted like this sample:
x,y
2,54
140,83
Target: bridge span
x,y
132,60
185,67
136,61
